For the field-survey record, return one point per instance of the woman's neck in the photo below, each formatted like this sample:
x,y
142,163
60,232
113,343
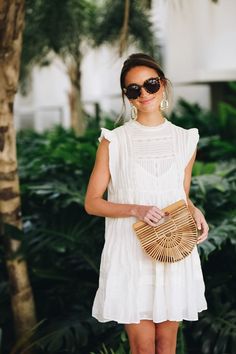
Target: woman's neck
x,y
150,119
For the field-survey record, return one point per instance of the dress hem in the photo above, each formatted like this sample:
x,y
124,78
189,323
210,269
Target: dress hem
x,y
101,319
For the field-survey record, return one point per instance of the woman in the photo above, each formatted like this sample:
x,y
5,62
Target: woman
x,y
146,164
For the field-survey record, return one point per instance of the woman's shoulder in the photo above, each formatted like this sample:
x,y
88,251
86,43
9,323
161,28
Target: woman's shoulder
x,y
186,141
185,132
111,134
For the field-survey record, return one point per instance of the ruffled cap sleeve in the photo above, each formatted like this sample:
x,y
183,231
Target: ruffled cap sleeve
x,y
192,139
107,134
113,153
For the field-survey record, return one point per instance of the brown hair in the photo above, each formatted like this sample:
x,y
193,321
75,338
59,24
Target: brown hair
x,y
139,59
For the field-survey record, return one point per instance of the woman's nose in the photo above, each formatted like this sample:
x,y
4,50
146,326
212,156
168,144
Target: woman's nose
x,y
143,92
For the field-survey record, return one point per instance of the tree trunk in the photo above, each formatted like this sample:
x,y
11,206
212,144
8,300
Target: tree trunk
x,y
125,28
77,115
11,28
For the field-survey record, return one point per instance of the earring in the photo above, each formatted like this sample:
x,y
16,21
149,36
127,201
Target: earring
x,y
133,112
164,102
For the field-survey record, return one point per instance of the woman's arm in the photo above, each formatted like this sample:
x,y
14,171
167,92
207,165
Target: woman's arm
x,y
197,214
99,179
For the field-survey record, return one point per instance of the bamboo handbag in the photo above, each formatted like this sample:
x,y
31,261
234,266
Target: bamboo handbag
x,y
171,240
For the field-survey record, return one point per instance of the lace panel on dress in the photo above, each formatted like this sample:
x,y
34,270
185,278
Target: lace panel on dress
x,y
153,148
155,155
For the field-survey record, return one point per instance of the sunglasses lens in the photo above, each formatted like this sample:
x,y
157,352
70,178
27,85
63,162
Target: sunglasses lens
x,y
152,85
133,92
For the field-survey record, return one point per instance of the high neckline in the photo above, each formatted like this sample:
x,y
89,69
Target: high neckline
x,y
149,127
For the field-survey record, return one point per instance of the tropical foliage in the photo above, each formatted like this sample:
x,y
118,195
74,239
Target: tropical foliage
x,y
133,28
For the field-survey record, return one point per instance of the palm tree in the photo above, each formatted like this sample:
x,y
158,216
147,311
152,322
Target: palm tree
x,y
66,27
12,20
125,23
59,27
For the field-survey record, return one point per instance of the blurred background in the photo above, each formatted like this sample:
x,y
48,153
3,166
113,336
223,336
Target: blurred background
x,y
65,64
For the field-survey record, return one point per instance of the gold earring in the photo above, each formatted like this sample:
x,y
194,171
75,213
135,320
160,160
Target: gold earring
x,y
133,112
164,102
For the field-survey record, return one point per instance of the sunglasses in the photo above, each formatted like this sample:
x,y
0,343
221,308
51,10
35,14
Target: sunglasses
x,y
151,85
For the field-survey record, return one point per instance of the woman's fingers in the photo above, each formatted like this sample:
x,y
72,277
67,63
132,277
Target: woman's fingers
x,y
156,212
201,225
150,222
205,228
154,215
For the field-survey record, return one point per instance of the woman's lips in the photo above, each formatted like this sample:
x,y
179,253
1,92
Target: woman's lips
x,y
146,101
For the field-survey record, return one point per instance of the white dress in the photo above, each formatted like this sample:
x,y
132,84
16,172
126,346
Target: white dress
x,y
147,167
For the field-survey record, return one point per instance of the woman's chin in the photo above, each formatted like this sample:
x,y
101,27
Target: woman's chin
x,y
149,109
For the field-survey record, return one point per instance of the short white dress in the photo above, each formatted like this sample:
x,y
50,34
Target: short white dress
x,y
147,167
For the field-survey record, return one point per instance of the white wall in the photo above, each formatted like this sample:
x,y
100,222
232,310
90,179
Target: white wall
x,y
100,79
200,40
199,45
47,101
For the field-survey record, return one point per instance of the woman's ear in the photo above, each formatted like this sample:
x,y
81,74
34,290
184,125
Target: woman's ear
x,y
163,84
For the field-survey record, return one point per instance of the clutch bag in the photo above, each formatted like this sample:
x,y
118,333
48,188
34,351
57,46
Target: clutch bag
x,y
173,238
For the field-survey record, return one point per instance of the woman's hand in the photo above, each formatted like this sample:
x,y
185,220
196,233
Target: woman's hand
x,y
150,214
201,224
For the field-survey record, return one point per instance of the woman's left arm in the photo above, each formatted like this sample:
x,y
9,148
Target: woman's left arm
x,y
196,213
